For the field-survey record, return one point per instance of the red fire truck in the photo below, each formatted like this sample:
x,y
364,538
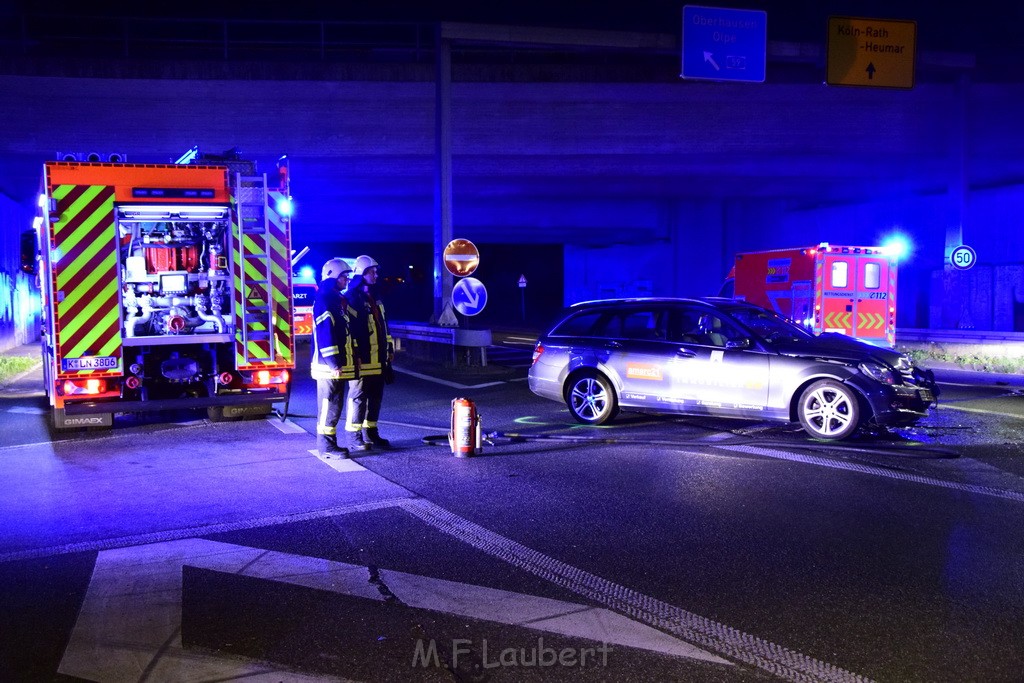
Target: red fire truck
x,y
825,288
164,286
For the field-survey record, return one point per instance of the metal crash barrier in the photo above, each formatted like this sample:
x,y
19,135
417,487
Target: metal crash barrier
x,y
433,342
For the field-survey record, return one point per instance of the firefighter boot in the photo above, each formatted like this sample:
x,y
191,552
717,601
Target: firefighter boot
x,y
356,443
327,444
371,435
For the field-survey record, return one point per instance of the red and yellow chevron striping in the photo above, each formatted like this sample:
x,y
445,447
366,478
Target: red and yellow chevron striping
x,y
256,288
85,277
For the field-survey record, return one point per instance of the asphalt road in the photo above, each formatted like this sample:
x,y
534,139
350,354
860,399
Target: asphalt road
x,y
656,548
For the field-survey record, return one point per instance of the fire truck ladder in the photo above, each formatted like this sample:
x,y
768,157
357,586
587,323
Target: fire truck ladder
x,y
257,300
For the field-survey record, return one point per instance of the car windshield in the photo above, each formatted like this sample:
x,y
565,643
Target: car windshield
x,y
770,327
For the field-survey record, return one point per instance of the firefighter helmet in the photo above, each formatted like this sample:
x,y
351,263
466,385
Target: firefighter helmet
x,y
334,269
362,263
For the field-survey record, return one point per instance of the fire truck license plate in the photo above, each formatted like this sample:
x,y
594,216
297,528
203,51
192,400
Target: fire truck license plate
x,y
90,363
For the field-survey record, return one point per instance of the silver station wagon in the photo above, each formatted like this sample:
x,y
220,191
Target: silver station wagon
x,y
724,358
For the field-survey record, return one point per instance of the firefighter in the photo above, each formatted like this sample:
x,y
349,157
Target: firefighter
x,y
334,360
375,349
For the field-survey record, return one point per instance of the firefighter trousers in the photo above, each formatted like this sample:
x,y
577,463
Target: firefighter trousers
x,y
330,403
364,399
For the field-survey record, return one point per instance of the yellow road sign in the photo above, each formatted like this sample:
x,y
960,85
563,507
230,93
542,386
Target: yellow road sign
x,y
878,53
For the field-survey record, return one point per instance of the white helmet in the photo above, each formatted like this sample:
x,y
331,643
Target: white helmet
x,y
362,263
334,269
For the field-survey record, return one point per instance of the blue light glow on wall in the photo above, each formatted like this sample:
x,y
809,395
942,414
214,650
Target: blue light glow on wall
x,y
898,245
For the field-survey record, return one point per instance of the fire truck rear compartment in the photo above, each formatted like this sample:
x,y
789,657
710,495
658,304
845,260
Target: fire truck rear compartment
x,y
174,272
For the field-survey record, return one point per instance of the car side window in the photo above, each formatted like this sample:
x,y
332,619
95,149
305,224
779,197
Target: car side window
x,y
684,320
582,325
706,328
643,324
609,326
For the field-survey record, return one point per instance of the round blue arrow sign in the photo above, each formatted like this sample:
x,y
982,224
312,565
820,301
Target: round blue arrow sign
x,y
469,296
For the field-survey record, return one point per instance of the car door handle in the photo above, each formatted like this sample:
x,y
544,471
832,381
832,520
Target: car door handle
x,y
685,353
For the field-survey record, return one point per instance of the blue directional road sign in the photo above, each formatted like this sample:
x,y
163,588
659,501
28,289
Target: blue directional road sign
x,y
469,296
724,44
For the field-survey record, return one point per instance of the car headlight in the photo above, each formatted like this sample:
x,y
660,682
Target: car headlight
x,y
877,372
904,363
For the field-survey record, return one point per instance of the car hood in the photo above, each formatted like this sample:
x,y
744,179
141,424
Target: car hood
x,y
836,347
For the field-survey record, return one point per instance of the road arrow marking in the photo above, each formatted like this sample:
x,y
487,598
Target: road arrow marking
x,y
711,60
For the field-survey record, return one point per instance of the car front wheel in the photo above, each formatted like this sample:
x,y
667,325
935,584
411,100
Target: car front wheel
x,y
829,410
591,399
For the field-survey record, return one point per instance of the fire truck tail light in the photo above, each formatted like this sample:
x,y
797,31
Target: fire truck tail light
x,y
84,386
265,378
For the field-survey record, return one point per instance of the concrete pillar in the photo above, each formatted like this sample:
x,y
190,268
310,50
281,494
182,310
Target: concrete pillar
x,y
443,280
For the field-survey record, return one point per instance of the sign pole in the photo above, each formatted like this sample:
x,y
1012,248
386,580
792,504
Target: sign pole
x,y
522,295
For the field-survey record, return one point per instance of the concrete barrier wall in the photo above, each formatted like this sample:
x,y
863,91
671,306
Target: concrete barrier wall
x,y
19,296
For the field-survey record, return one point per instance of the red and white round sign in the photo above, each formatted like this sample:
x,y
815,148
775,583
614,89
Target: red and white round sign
x,y
461,257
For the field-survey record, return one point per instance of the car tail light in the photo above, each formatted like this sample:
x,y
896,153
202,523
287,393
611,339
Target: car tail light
x,y
539,349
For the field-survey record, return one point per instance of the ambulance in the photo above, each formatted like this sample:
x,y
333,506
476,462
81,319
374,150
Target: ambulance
x,y
824,288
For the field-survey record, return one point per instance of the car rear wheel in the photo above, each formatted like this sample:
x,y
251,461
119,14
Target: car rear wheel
x,y
829,410
591,399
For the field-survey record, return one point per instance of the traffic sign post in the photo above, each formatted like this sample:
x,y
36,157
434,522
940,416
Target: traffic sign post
x,y
522,295
461,257
724,44
469,296
963,257
878,53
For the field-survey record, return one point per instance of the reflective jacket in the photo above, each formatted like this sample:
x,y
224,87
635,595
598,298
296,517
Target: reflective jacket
x,y
369,326
333,352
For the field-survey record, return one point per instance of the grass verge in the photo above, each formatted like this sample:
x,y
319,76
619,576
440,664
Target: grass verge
x,y
10,366
970,361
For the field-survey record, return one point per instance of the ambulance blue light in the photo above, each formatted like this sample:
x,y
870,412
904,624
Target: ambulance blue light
x,y
306,273
897,245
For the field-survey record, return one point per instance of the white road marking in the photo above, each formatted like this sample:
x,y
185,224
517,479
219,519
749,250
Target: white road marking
x,y
129,627
879,472
338,463
28,410
286,426
713,636
947,406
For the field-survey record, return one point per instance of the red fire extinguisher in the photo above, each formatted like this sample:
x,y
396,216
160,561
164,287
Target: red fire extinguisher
x,y
465,437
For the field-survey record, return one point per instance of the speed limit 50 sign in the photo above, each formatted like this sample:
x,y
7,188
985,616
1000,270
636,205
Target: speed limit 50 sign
x,y
963,257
